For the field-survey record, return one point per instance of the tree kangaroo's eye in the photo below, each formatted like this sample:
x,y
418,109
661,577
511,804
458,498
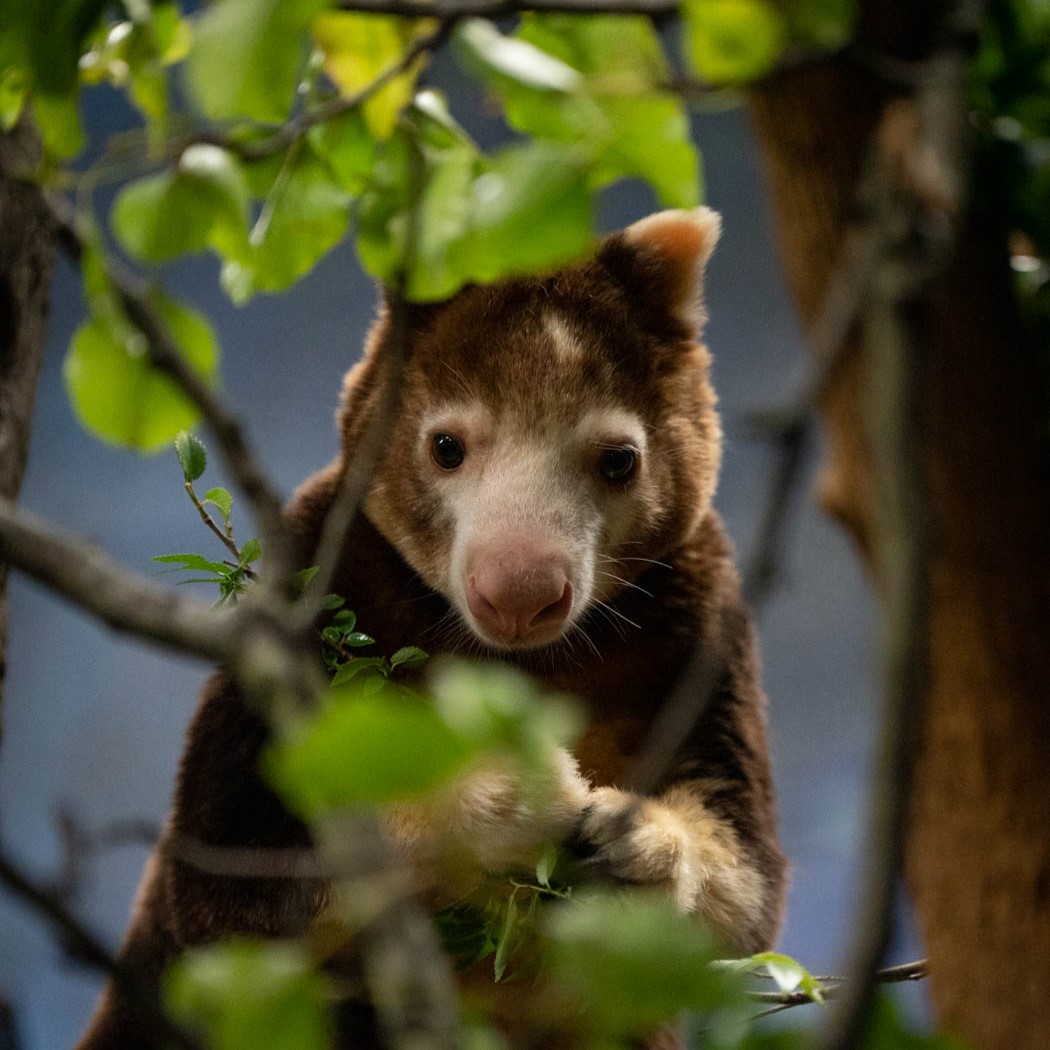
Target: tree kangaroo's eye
x,y
448,451
618,464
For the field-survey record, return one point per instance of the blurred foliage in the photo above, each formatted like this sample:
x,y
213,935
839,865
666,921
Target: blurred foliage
x,y
242,993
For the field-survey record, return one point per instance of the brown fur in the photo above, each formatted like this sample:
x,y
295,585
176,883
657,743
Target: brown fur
x,y
709,833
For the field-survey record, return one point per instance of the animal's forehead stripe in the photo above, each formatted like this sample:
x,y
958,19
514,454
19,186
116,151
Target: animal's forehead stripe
x,y
563,336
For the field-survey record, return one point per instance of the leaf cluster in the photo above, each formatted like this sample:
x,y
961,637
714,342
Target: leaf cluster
x,y
274,129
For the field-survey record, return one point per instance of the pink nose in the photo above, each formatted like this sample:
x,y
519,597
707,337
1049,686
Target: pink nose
x,y
518,592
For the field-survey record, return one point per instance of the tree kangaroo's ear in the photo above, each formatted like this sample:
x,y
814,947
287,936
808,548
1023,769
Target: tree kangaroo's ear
x,y
660,260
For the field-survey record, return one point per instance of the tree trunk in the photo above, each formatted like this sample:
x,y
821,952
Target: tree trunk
x,y
27,255
978,844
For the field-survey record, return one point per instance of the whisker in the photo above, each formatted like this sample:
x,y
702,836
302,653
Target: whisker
x,y
579,630
616,612
626,583
647,561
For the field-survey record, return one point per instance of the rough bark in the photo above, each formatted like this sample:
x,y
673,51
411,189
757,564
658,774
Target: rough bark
x,y
27,255
978,849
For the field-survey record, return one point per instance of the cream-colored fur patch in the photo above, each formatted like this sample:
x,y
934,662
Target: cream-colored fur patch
x,y
566,342
491,819
613,426
677,842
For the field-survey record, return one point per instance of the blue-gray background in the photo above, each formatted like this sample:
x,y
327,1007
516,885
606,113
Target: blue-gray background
x,y
94,722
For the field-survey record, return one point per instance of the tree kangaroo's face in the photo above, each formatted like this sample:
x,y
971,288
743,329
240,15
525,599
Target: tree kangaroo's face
x,y
555,435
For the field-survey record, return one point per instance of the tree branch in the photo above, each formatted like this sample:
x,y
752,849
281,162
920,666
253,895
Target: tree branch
x,y
84,946
126,601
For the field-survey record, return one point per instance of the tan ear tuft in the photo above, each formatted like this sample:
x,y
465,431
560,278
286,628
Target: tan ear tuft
x,y
684,240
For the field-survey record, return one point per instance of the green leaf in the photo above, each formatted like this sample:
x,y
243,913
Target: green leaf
x,y
515,60
358,639
651,140
546,864
358,48
531,210
823,23
382,222
332,601
245,993
789,974
465,936
304,216
359,665
362,748
442,263
251,551
408,657
14,88
617,54
346,619
618,110
48,38
497,707
171,32
732,41
631,962
301,580
507,938
193,457
116,393
202,203
58,120
347,146
195,562
247,56
221,499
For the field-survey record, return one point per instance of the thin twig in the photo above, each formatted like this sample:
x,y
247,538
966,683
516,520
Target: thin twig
x,y
831,986
834,988
224,535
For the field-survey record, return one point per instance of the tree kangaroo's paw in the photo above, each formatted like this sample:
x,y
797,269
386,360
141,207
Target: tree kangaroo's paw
x,y
496,818
676,843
